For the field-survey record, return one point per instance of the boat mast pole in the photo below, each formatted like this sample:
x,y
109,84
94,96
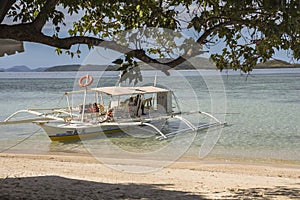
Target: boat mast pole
x,y
84,100
101,98
153,95
69,106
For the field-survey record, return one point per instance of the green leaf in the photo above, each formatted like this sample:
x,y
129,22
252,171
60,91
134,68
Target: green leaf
x,y
35,14
58,51
138,8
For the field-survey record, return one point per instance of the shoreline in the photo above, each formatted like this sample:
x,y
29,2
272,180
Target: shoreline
x,y
27,175
186,157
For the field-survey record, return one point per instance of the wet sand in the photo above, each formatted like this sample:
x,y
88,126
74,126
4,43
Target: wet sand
x,y
29,176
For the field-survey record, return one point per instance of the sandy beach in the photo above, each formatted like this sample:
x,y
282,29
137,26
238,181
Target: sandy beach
x,y
28,176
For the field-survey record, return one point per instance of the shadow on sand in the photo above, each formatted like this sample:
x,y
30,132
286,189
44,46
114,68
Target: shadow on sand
x,y
278,192
55,187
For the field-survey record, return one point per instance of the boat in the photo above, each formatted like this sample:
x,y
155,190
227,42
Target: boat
x,y
111,109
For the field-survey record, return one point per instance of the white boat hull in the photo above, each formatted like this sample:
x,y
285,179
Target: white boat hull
x,y
69,133
58,131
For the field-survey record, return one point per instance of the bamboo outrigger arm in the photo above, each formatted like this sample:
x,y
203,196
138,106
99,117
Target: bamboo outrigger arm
x,y
210,116
155,128
141,123
34,113
187,122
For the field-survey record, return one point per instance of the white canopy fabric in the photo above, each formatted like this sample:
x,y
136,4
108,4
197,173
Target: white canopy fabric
x,y
8,47
117,91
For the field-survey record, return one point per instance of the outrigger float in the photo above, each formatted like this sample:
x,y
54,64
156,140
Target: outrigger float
x,y
126,108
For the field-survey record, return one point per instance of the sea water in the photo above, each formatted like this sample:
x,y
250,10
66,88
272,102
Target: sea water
x,y
262,111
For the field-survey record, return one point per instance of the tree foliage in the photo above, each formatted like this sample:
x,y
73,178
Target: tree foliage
x,y
251,30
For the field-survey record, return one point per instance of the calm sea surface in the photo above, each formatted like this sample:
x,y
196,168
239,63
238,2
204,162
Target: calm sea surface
x,y
262,111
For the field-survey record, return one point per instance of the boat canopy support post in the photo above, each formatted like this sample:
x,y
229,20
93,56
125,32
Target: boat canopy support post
x,y
84,100
155,128
69,105
101,99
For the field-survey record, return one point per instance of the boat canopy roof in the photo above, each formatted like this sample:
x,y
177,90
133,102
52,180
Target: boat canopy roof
x,y
120,90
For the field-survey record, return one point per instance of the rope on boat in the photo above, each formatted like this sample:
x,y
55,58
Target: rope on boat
x,y
8,148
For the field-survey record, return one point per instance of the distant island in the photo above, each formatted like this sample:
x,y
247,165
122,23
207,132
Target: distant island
x,y
276,64
22,68
202,63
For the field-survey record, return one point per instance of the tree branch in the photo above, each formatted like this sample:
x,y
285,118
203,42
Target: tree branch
x,y
5,5
43,16
204,36
28,32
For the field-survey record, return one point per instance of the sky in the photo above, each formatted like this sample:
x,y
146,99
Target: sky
x,y
37,55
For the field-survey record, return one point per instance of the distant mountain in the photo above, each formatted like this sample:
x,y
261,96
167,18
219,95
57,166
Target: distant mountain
x,y
276,64
40,69
77,68
197,63
63,68
21,68
193,63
